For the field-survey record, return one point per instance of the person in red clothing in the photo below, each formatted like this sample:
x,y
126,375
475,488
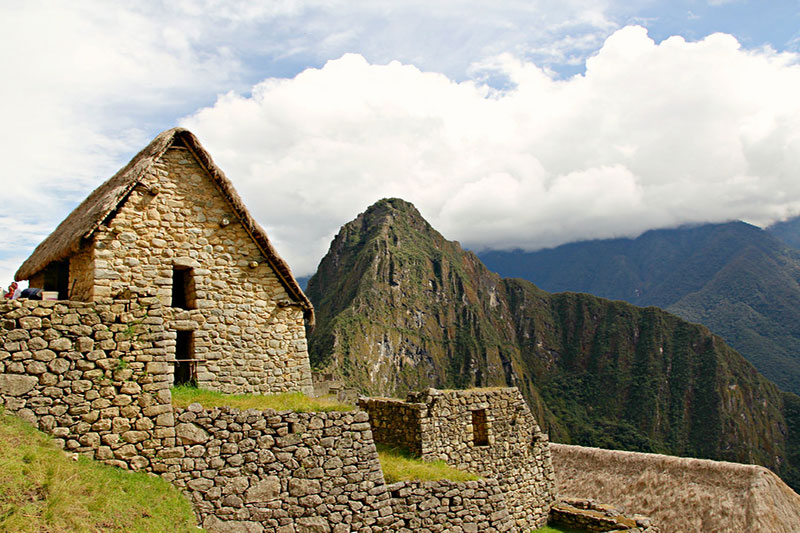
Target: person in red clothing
x,y
13,291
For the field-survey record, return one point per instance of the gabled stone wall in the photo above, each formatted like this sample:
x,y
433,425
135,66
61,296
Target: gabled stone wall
x,y
248,335
509,446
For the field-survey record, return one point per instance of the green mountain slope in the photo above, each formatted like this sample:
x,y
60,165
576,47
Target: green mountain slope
x,y
735,278
399,307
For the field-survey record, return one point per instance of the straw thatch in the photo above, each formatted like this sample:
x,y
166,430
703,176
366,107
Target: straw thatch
x,y
103,201
680,494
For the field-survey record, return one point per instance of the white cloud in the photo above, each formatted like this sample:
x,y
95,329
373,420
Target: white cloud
x,y
652,135
86,83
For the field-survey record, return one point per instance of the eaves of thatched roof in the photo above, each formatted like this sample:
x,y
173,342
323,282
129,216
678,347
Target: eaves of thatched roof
x,y
103,201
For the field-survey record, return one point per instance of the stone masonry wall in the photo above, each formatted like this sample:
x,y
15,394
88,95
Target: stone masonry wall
x,y
515,451
395,422
96,376
280,471
92,375
468,507
248,335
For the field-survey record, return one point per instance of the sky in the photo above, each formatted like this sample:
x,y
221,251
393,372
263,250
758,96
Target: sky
x,y
514,124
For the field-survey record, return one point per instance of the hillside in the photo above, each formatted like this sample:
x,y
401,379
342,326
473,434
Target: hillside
x,y
739,280
42,489
399,307
787,231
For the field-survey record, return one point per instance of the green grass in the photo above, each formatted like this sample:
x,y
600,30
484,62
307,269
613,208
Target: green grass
x,y
398,465
557,529
43,489
184,395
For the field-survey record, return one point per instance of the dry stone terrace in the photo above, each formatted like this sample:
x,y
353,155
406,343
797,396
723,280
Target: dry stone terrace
x,y
96,376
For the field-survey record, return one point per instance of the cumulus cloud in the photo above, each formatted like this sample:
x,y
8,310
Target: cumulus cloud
x,y
86,83
652,135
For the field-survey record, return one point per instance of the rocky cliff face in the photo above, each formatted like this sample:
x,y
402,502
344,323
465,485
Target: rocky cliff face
x,y
399,308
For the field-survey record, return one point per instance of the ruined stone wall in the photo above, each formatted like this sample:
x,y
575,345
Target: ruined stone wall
x,y
92,375
468,507
508,445
247,334
311,471
395,422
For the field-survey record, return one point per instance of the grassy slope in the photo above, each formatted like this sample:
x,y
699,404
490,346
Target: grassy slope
x,y
44,490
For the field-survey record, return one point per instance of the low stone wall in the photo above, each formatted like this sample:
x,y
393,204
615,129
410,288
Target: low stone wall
x,y
469,507
396,423
279,471
92,375
96,376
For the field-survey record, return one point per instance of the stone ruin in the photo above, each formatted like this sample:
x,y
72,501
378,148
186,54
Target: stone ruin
x,y
162,277
490,432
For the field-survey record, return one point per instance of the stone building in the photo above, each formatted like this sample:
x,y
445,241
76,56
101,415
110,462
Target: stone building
x,y
170,225
490,432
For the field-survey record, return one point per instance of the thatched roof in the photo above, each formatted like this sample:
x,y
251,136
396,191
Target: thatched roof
x,y
679,493
90,214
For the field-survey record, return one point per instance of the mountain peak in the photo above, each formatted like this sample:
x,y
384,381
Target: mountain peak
x,y
401,308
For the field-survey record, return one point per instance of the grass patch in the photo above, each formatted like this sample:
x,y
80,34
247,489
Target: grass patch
x,y
399,465
42,489
184,395
557,529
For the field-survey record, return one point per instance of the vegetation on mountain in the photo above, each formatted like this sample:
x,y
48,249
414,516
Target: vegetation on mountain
x,y
787,231
737,279
43,489
399,307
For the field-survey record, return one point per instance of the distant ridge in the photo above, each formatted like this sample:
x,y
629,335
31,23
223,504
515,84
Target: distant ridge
x,y
737,279
399,308
788,231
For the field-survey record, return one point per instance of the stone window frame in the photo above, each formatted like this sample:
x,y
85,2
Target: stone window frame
x,y
480,427
184,278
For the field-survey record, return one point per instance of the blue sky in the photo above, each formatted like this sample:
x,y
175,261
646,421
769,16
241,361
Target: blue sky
x,y
509,124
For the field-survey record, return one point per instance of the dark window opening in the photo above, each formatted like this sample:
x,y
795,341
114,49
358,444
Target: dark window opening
x,y
56,278
183,292
480,429
185,364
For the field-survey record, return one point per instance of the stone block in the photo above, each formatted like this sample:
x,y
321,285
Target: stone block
x,y
17,385
189,433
